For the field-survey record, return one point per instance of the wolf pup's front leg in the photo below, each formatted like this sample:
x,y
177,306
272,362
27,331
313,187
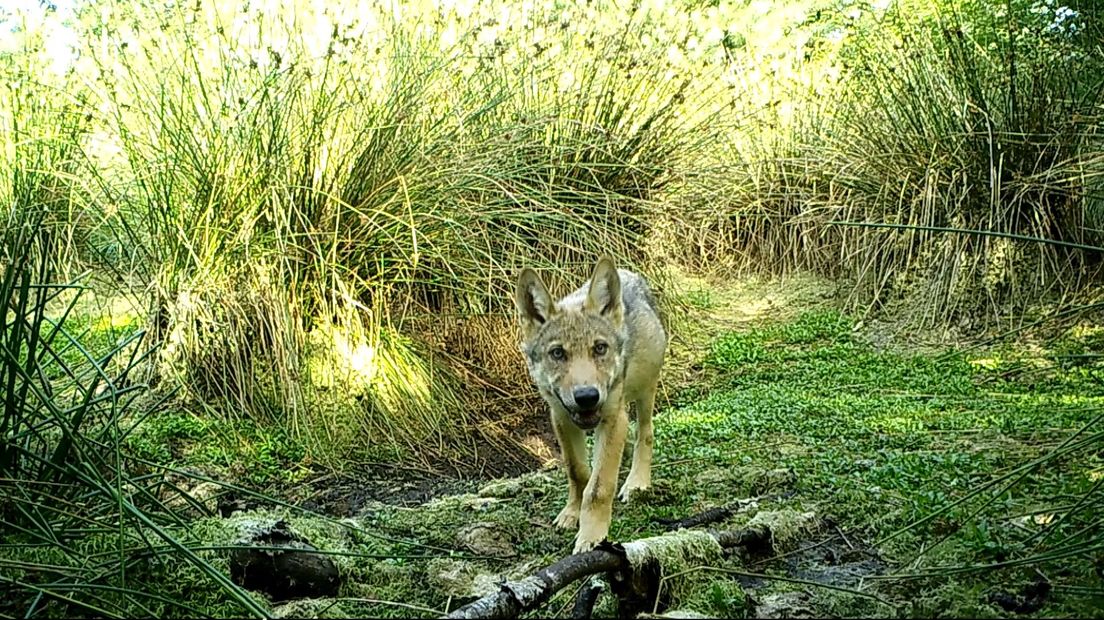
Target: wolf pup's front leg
x,y
573,448
597,508
640,475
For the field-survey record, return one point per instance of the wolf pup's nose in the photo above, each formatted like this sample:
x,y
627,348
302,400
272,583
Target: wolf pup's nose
x,y
586,397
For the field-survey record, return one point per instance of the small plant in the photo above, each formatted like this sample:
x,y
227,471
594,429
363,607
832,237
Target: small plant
x,y
700,298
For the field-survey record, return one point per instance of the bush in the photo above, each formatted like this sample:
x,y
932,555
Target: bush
x,y
945,119
295,208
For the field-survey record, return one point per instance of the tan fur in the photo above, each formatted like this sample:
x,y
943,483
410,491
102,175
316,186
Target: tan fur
x,y
602,344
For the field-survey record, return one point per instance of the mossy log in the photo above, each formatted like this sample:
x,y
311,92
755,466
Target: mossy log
x,y
280,563
632,570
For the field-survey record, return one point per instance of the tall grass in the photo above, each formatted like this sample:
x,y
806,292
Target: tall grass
x,y
66,409
958,118
295,192
294,210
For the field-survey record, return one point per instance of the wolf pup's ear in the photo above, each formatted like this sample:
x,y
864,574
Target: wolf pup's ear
x,y
534,304
604,297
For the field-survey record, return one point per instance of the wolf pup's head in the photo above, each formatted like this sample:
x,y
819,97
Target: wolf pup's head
x,y
574,348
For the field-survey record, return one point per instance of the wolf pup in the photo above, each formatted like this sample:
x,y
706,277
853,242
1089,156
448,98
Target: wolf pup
x,y
591,354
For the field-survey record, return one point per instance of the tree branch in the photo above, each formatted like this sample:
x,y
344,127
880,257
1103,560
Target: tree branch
x,y
588,596
516,597
531,592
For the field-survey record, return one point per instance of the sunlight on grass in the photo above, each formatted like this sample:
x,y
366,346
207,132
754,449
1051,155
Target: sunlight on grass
x,y
116,321
385,368
404,379
358,359
538,448
754,309
896,424
691,418
989,363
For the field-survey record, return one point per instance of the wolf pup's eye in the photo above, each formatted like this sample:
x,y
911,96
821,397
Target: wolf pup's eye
x,y
600,348
557,353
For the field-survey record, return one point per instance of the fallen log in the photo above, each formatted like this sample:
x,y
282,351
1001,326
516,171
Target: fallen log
x,y
584,602
714,515
279,562
633,577
708,517
515,597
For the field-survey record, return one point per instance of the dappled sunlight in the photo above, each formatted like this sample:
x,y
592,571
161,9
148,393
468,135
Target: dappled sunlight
x,y
113,322
403,380
374,394
1085,331
747,298
359,358
895,424
753,309
692,417
989,363
540,449
1082,402
354,362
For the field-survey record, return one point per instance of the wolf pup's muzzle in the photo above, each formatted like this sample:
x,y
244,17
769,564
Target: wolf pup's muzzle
x,y
586,411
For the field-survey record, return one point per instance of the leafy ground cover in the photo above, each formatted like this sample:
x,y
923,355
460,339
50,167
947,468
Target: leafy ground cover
x,y
946,482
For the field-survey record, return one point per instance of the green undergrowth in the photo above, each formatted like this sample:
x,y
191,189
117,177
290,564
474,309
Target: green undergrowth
x,y
894,448
188,434
807,416
881,439
253,455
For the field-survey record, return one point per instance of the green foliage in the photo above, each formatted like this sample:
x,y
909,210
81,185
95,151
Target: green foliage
x,y
255,455
956,115
63,471
69,399
700,299
290,187
829,329
353,178
726,599
152,441
269,178
931,454
59,397
879,441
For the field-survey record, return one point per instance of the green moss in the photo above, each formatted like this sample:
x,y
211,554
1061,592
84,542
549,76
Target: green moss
x,y
675,551
787,527
161,584
532,484
311,608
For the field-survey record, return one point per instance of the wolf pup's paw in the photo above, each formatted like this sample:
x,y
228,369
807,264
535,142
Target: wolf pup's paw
x,y
633,487
584,544
569,517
